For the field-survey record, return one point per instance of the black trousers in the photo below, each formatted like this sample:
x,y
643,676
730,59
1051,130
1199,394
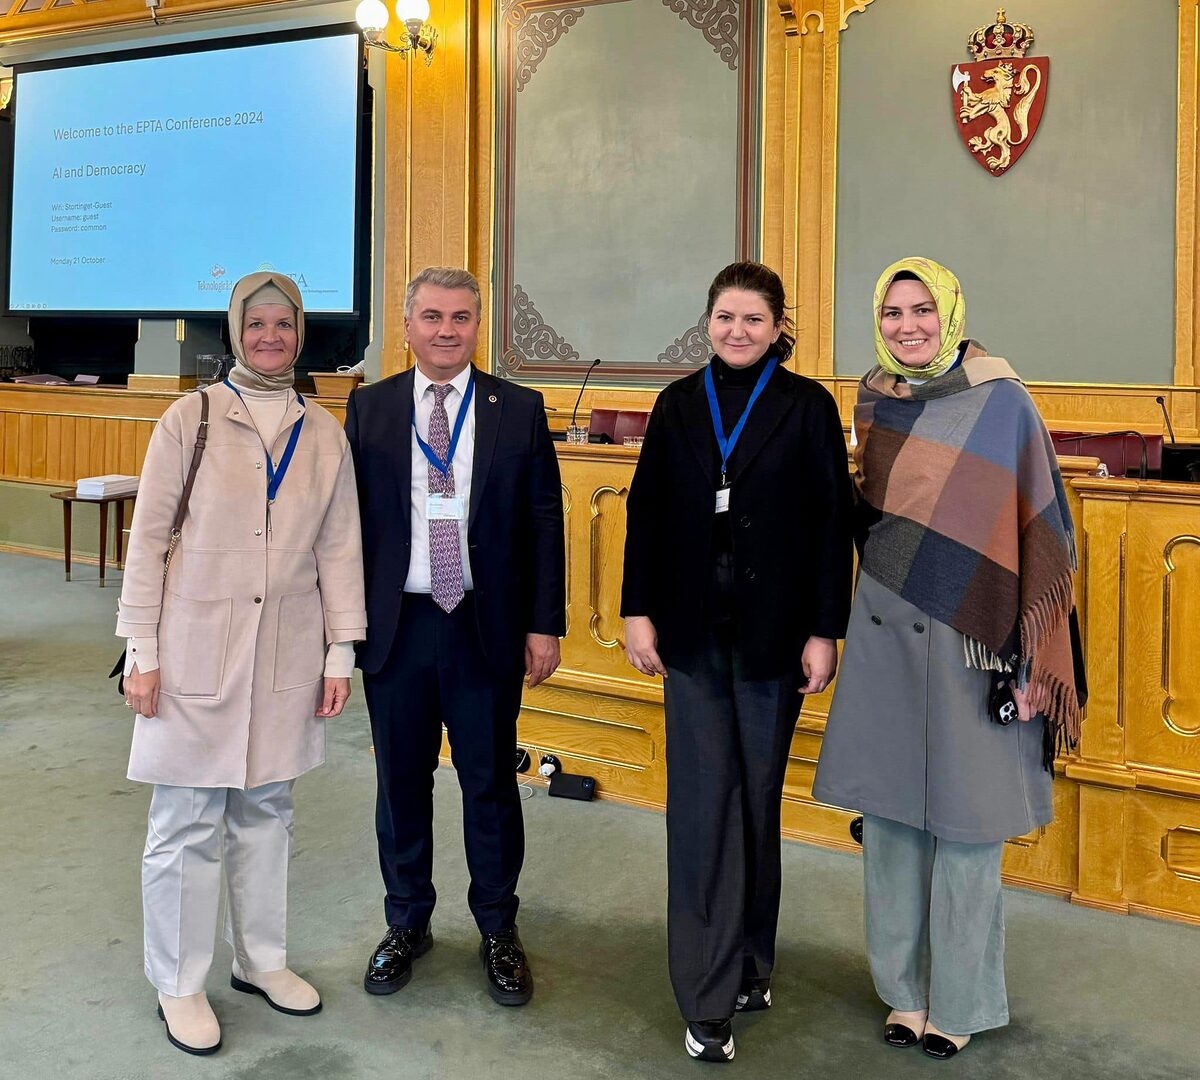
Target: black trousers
x,y
727,750
437,674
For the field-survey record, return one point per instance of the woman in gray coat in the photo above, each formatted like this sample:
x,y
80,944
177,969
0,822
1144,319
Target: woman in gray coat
x,y
962,622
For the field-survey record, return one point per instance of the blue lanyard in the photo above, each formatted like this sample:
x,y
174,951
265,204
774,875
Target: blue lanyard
x,y
276,473
726,445
444,466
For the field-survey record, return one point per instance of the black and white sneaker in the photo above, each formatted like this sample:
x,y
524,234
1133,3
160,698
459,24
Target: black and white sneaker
x,y
754,995
709,1040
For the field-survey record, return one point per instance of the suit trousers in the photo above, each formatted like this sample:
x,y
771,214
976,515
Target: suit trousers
x,y
935,925
437,674
192,832
727,749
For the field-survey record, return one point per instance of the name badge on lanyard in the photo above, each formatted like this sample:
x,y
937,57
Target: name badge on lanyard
x,y
726,445
444,507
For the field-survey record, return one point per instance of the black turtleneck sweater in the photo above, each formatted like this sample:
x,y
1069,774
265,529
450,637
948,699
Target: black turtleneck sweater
x,y
734,387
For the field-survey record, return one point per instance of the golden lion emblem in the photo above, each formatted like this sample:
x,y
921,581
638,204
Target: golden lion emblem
x,y
995,102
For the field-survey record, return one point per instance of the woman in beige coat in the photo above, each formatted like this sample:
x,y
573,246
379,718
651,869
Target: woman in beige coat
x,y
237,657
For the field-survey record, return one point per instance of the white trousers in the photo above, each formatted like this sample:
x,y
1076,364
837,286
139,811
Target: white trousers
x,y
181,880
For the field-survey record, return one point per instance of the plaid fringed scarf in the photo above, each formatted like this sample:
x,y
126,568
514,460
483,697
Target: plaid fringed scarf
x,y
975,530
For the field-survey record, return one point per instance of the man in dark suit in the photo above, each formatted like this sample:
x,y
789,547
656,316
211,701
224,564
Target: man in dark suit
x,y
463,550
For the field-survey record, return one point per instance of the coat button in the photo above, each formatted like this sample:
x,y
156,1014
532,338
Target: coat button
x,y
744,521
258,599
258,464
258,532
876,620
749,573
919,627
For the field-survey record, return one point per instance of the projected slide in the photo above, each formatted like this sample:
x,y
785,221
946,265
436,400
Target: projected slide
x,y
152,185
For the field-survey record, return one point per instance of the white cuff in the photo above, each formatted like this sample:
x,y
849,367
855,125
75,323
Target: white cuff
x,y
142,651
339,660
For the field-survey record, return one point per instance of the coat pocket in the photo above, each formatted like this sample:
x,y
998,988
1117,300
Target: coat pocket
x,y
193,641
299,640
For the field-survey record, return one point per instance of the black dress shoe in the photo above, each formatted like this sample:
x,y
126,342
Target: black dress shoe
x,y
510,981
390,966
754,995
936,1046
709,1040
900,1035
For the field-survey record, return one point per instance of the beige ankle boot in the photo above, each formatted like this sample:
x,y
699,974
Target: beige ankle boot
x,y
284,990
191,1024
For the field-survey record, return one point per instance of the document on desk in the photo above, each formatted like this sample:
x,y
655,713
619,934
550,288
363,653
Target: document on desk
x,y
100,487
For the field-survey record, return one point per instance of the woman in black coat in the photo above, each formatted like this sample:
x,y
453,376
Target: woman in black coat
x,y
737,585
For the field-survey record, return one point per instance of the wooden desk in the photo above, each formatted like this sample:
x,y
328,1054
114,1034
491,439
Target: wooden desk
x,y
68,498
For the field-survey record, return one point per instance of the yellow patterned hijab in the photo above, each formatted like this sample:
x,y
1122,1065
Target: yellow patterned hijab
x,y
952,315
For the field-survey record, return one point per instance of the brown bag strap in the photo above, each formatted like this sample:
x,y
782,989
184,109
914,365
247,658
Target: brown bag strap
x,y
197,454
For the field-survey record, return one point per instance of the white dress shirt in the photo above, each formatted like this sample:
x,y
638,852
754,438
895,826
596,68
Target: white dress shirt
x,y
464,457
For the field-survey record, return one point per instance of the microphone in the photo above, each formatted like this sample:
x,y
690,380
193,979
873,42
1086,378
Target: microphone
x,y
1108,434
1166,416
590,369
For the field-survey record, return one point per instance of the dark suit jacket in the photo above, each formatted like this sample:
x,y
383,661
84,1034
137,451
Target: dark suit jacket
x,y
789,517
514,524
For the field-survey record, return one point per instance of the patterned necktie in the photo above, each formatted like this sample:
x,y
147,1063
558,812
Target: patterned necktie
x,y
445,554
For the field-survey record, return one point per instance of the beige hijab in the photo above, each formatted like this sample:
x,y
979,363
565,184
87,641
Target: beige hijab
x,y
243,375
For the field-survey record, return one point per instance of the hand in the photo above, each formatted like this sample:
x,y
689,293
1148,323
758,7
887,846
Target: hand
x,y
337,693
141,691
641,646
1029,703
819,662
541,657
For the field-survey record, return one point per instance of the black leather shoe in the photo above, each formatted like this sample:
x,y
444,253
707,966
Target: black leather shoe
x,y
390,966
510,981
936,1046
900,1035
754,995
709,1040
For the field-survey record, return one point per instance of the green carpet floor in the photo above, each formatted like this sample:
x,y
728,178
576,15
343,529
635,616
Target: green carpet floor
x,y
1093,996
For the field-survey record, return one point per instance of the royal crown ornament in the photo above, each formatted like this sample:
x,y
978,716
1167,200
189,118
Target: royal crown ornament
x,y
1000,40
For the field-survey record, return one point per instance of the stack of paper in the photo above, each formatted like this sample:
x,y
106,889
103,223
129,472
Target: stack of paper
x,y
99,487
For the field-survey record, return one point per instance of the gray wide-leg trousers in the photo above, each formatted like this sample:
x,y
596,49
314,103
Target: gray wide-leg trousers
x,y
191,833
935,925
727,747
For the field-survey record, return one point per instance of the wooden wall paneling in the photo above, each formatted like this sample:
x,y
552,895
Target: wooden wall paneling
x,y
37,458
24,445
1104,535
480,193
66,449
596,713
1162,687
1048,857
427,165
802,817
774,165
1162,855
397,200
54,427
1102,877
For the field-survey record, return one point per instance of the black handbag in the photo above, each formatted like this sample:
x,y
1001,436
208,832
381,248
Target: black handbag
x,y
118,671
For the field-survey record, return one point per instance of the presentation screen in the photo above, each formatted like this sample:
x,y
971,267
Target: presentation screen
x,y
149,184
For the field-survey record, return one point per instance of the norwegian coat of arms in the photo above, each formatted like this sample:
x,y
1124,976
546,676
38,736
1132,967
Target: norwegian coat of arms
x,y
998,99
